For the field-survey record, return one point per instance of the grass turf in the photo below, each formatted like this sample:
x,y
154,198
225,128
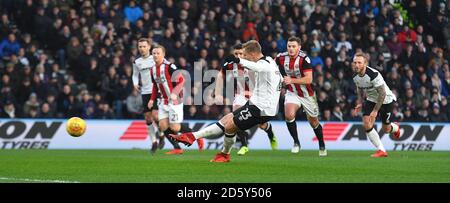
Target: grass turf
x,y
192,166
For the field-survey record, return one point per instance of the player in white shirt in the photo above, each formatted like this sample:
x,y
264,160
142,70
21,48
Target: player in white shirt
x,y
380,99
241,79
261,107
141,67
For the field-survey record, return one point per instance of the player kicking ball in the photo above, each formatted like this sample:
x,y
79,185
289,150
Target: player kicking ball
x,y
261,107
170,112
241,96
380,99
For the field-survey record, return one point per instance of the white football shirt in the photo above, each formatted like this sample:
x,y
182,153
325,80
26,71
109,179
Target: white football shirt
x,y
268,81
141,66
369,82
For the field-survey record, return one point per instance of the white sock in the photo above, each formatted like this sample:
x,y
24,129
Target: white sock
x,y
151,133
228,143
214,129
395,128
375,139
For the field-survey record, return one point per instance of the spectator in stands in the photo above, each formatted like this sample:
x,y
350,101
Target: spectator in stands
x,y
134,105
133,12
437,115
8,110
9,46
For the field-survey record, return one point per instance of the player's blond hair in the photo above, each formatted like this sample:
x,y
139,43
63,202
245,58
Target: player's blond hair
x,y
361,54
160,47
252,46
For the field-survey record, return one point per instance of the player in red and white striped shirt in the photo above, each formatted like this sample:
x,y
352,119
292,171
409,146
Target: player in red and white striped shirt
x,y
295,66
170,112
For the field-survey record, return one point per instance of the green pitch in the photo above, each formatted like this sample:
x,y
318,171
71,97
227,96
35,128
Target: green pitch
x,y
256,166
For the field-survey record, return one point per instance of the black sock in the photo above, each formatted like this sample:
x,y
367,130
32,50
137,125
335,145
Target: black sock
x,y
319,134
185,129
243,137
173,142
269,131
292,127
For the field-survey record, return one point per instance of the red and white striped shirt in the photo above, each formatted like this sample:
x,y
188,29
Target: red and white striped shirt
x,y
162,81
296,68
241,78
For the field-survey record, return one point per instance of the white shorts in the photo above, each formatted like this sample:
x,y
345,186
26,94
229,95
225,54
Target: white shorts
x,y
239,100
309,104
173,112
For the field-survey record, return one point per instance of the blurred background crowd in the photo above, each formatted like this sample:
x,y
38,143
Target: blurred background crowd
x,y
63,58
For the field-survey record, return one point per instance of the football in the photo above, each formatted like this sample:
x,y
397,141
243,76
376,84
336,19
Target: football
x,y
76,127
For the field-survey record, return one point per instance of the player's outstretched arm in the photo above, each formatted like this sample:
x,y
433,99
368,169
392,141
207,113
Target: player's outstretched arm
x,y
255,66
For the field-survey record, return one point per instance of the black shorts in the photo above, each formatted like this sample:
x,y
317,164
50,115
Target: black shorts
x,y
385,111
248,116
145,100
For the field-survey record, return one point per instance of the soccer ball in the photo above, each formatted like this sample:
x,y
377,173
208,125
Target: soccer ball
x,y
76,127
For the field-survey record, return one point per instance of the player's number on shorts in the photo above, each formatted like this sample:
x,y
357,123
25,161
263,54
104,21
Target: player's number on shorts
x,y
245,114
174,117
388,116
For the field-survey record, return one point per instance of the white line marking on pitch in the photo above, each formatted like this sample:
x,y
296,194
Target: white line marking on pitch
x,y
37,180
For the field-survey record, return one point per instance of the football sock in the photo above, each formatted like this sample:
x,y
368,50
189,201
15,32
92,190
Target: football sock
x,y
394,128
214,129
269,131
375,139
319,134
243,137
292,127
228,142
173,142
151,132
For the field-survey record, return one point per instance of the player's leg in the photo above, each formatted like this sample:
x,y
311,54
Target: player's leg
x,y
243,119
176,115
370,130
151,131
159,134
242,134
149,122
389,127
318,131
290,111
311,108
163,115
267,127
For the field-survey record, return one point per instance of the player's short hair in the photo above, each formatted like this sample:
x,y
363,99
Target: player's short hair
x,y
252,46
160,47
143,39
295,39
237,46
361,54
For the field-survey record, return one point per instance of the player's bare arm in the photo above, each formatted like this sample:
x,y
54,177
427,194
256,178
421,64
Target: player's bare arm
x,y
360,95
381,95
306,80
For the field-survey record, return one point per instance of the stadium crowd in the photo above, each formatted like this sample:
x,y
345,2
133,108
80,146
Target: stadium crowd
x,y
63,58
